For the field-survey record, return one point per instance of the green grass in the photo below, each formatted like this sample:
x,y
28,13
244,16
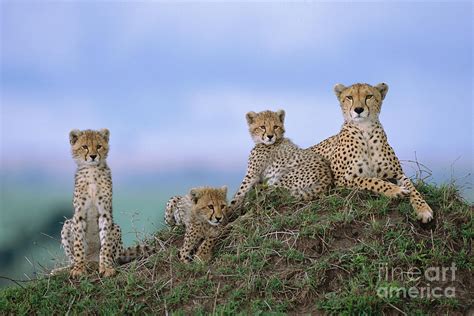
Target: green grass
x,y
285,256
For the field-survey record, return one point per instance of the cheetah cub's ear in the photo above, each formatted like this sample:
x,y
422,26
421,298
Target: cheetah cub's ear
x,y
105,134
250,116
195,195
383,89
281,115
224,190
74,136
338,89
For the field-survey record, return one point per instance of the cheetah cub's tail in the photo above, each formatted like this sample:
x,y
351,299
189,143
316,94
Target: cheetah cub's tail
x,y
134,252
172,214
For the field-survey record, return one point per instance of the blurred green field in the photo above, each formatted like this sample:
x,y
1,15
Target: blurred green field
x,y
40,212
33,206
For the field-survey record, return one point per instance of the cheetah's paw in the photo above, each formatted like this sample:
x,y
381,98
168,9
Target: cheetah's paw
x,y
107,271
425,214
78,271
398,191
185,258
404,191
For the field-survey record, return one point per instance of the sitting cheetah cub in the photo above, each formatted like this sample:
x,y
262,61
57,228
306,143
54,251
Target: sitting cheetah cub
x,y
279,161
360,155
91,235
202,212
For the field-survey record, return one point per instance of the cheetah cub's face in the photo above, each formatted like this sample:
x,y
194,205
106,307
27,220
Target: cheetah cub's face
x,y
266,127
361,102
89,147
209,204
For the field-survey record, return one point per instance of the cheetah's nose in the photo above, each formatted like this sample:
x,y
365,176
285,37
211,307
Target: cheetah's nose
x,y
93,157
270,137
359,110
218,219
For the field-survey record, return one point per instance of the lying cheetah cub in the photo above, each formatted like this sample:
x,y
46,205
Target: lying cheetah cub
x,y
202,212
283,164
360,154
91,234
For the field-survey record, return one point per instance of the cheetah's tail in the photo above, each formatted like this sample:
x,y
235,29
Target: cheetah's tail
x,y
131,253
171,206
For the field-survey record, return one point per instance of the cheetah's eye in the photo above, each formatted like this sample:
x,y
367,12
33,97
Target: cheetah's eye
x,y
211,206
276,127
85,147
349,98
262,127
369,97
99,146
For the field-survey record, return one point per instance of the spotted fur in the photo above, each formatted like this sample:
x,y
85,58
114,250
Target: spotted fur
x,y
280,162
360,155
91,234
203,213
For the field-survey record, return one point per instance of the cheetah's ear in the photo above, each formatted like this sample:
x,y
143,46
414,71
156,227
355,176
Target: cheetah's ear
x,y
281,115
250,116
74,136
338,89
383,89
105,134
224,190
195,195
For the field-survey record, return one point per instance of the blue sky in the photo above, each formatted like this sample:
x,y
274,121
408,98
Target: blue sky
x,y
173,81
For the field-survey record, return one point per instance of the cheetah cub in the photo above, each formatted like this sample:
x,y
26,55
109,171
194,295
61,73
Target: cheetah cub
x,y
91,235
280,162
202,212
360,155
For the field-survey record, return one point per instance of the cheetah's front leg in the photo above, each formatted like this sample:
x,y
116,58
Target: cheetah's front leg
x,y
204,252
378,186
188,245
106,257
255,166
250,179
79,230
422,209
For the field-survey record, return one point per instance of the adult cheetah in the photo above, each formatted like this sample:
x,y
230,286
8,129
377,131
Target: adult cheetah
x,y
360,155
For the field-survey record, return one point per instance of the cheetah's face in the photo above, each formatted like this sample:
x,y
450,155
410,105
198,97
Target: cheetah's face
x,y
89,147
210,204
266,127
361,102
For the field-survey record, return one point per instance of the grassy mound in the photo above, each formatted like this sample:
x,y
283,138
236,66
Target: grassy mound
x,y
344,253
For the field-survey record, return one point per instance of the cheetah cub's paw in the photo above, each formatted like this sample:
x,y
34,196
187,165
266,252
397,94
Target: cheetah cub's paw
x,y
185,258
107,271
203,257
78,271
